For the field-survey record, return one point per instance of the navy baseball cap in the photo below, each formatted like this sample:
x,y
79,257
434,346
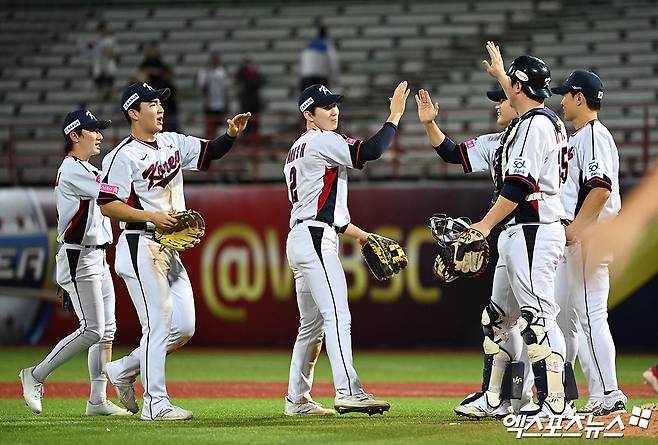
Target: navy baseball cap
x,y
317,96
496,95
582,81
82,118
141,92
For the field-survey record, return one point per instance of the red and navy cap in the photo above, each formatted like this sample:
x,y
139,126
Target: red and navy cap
x,y
82,118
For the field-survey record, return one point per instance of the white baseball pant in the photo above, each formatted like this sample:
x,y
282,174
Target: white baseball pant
x,y
312,250
85,275
584,320
162,294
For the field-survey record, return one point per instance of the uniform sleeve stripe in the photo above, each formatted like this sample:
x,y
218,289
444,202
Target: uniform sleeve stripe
x,y
107,174
526,134
202,159
358,150
466,163
592,126
599,182
520,178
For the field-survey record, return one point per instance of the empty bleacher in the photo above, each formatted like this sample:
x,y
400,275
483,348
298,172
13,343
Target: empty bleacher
x,y
433,45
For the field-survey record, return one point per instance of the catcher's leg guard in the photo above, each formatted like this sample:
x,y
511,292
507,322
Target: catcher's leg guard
x,y
496,360
570,386
547,365
513,381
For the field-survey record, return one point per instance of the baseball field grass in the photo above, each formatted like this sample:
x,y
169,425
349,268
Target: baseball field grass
x,y
237,398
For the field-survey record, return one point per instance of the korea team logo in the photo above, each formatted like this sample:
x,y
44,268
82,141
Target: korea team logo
x,y
520,167
324,90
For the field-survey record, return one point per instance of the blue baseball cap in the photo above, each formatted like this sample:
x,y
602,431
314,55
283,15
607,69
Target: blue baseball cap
x,y
582,81
317,96
141,92
82,118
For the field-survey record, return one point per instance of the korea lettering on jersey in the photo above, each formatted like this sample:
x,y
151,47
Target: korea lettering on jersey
x,y
79,219
593,162
316,175
148,176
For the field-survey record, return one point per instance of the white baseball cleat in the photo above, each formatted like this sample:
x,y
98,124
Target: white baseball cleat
x,y
613,403
125,390
106,408
360,403
591,406
650,378
309,408
544,412
476,406
171,412
32,390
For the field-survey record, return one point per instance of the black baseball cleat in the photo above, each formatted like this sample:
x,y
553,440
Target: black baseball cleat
x,y
360,403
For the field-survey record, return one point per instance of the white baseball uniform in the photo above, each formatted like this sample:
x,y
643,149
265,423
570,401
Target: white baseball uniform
x,y
149,176
584,300
83,273
532,155
316,175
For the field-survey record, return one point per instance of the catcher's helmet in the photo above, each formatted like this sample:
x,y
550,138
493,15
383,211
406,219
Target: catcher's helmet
x,y
533,74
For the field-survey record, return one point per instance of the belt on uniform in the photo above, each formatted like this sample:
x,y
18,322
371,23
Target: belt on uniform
x,y
537,196
88,246
336,228
565,222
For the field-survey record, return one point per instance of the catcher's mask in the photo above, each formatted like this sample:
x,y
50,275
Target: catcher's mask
x,y
445,229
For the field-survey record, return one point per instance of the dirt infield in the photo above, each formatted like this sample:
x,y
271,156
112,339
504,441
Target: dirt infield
x,y
279,389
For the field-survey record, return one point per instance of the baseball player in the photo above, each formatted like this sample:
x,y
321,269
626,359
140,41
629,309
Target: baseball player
x,y
143,182
484,154
83,234
590,194
316,174
532,163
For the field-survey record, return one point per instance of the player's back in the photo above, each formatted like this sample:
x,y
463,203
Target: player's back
x,y
316,175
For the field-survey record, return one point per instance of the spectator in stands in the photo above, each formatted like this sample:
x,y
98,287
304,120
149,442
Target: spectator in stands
x,y
104,65
319,62
152,69
170,106
250,81
213,82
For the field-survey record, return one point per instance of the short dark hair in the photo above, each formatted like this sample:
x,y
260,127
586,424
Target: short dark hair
x,y
133,106
68,146
592,104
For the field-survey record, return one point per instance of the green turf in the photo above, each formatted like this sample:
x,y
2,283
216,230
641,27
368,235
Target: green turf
x,y
255,421
208,365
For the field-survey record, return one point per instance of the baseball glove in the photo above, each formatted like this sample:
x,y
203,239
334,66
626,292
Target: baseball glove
x,y
463,252
384,256
185,234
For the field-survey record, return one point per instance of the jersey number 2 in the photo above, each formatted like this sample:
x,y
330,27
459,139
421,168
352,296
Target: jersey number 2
x,y
293,185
